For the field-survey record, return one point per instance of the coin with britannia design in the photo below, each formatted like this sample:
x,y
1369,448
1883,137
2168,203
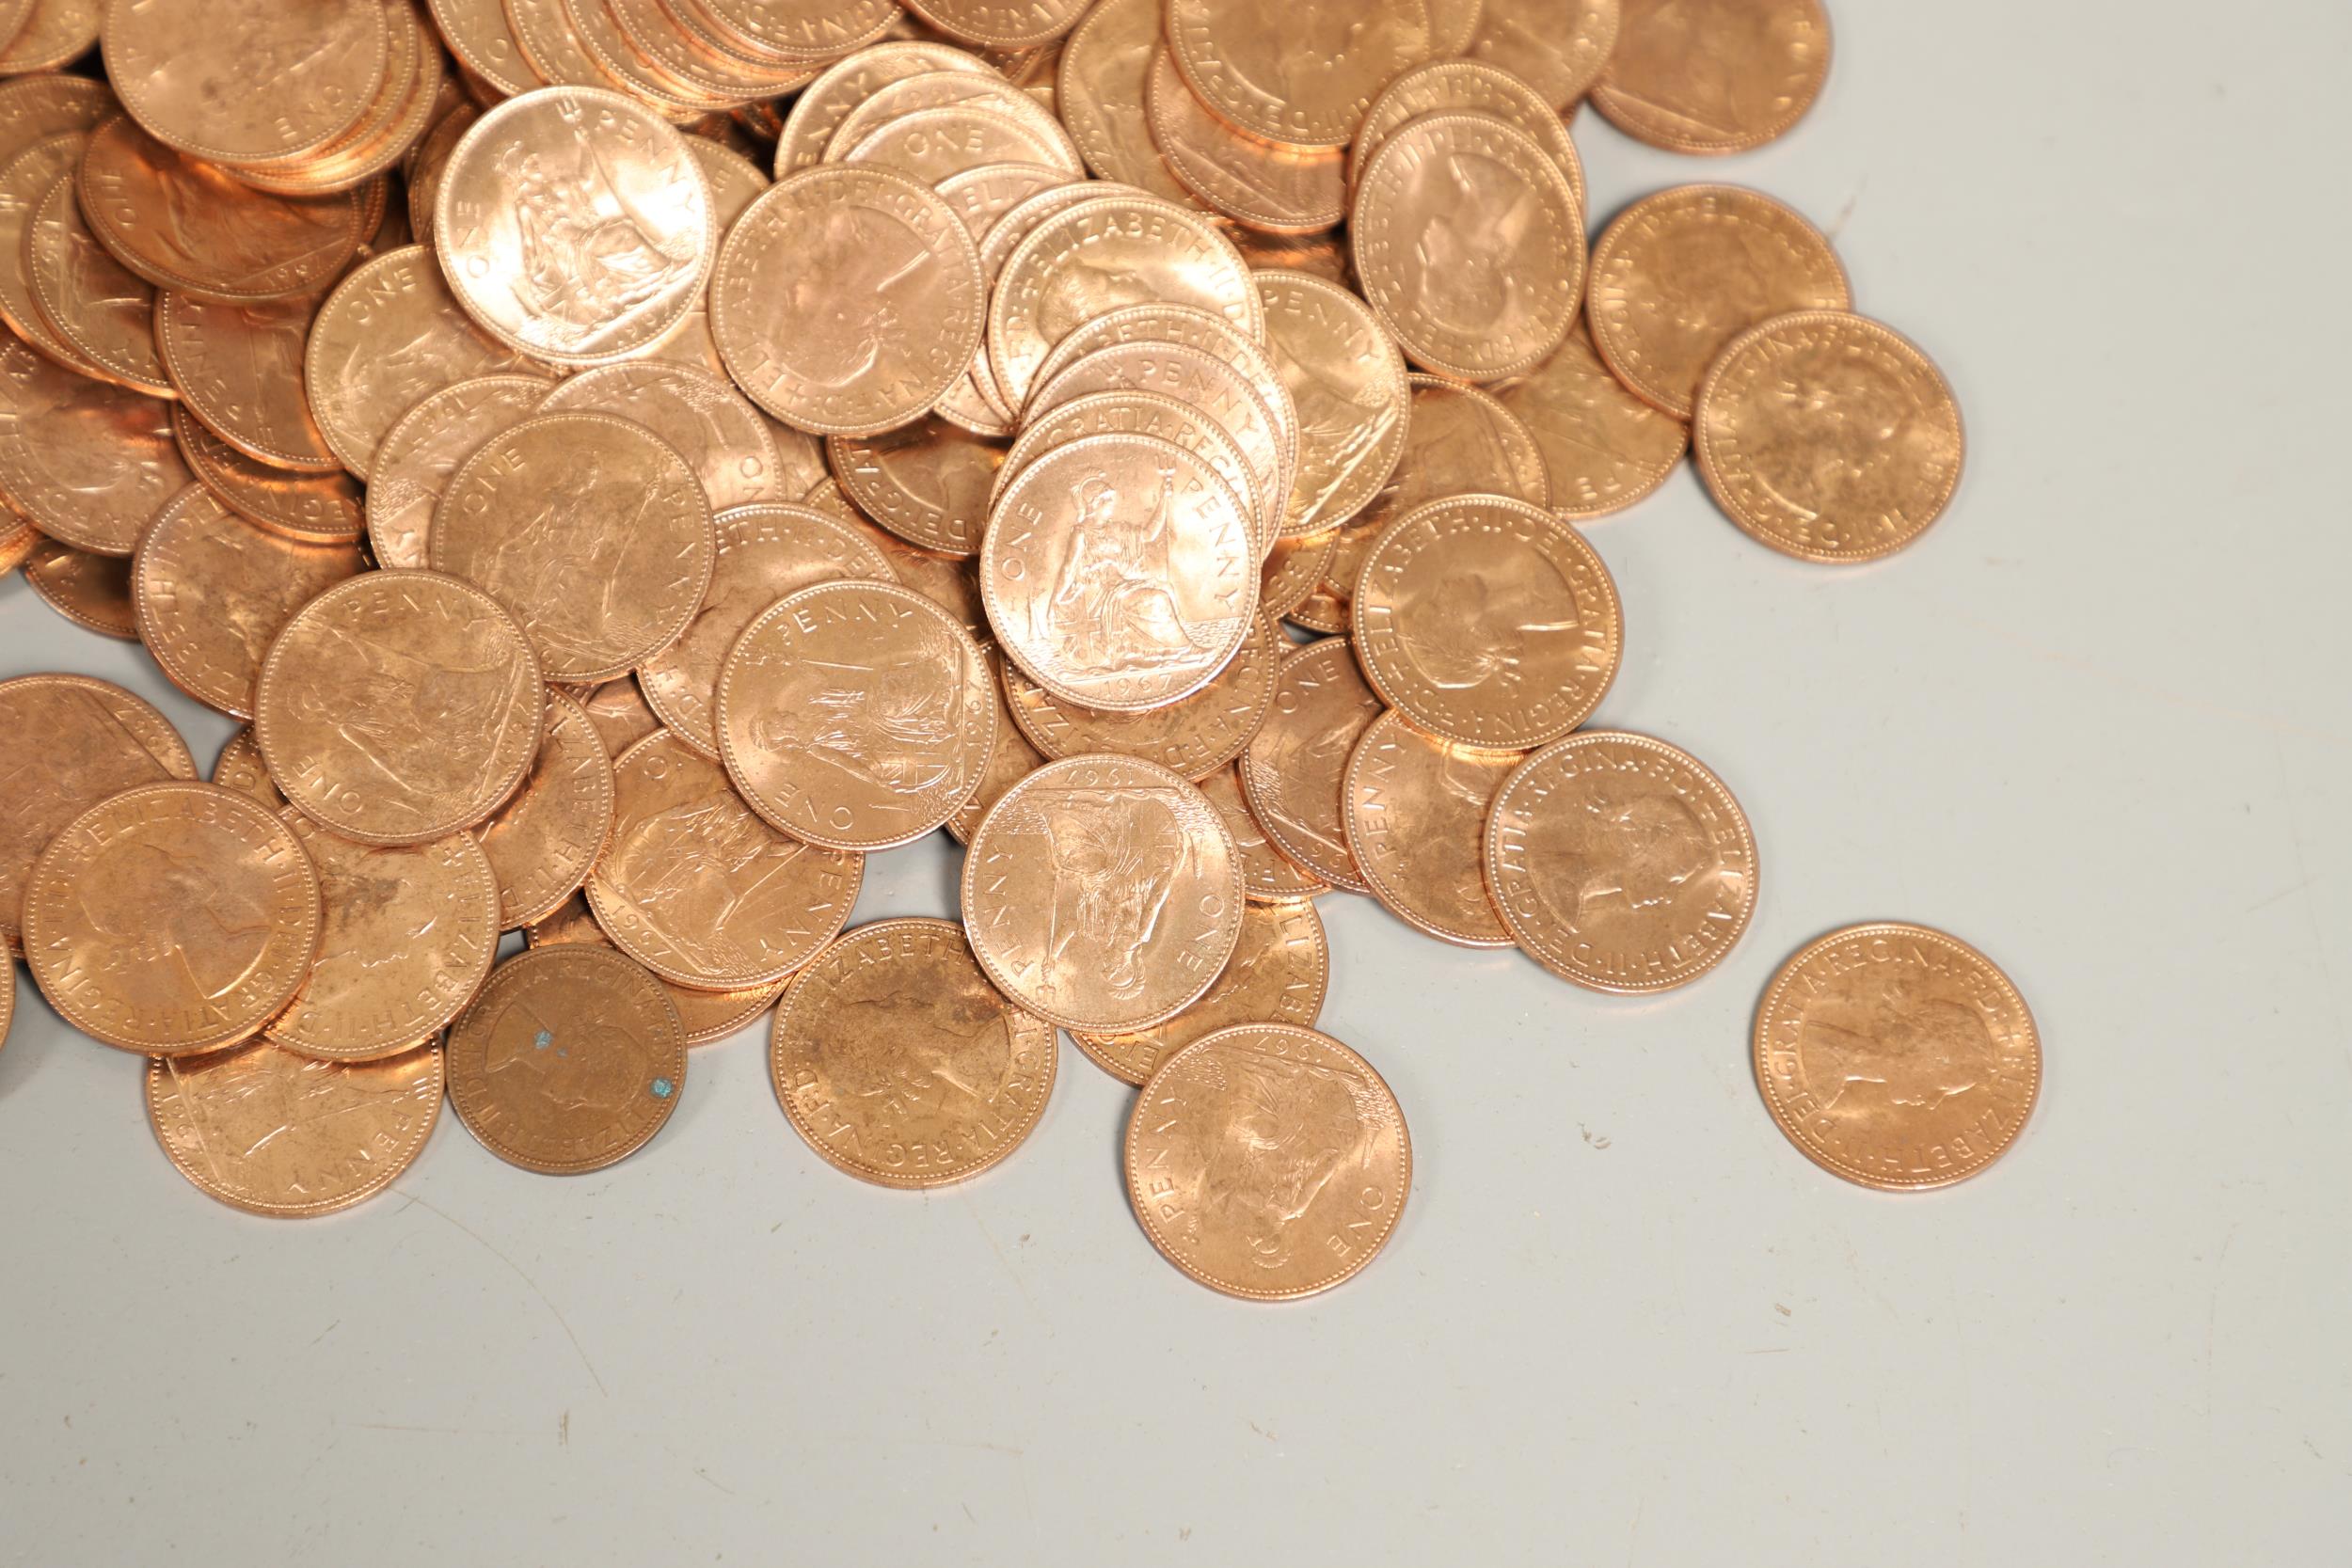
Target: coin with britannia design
x,y
1276,974
417,457
1197,736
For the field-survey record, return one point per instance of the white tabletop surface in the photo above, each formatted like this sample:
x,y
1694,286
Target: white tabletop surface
x,y
2095,722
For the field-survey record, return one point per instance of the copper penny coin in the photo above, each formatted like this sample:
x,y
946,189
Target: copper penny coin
x,y
1470,245
388,336
1119,573
397,113
856,715
947,580
592,530
543,839
645,81
1416,812
409,934
91,591
765,554
92,302
249,79
700,890
619,711
1103,893
1134,412
1267,874
1680,274
1714,76
1303,72
934,145
1195,736
573,224
1897,1057
1604,448
240,768
1010,761
1829,436
1346,379
1257,183
1291,570
981,196
847,299
58,33
928,483
707,1015
992,24
900,1063
33,108
1268,1161
319,507
551,46
171,918
1276,974
417,457
90,740
1489,621
399,707
1003,237
87,462
430,162
239,370
1295,770
1447,85
570,1060
212,592
827,101
1100,85
723,438
264,1130
479,34
1323,254
1620,863
24,179
1560,48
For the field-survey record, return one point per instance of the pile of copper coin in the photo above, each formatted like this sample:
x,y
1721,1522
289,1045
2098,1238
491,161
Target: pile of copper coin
x,y
628,461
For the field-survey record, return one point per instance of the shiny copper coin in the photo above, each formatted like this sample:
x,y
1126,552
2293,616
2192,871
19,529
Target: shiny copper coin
x,y
1010,760
929,483
1303,72
1119,573
399,707
900,1064
83,740
847,300
573,224
1897,1057
1276,974
34,107
981,196
1489,621
642,81
24,179
856,715
479,34
239,370
701,891
949,581
1291,572
1620,863
1714,76
187,225
1267,874
388,336
1261,185
992,24
1195,736
89,300
240,768
819,112
1416,813
550,831
58,33
1295,770
429,163
171,918
417,457
250,79
1159,415
1680,274
1002,238
86,461
723,438
1829,436
551,46
619,711
661,47
1346,380
570,1059
936,145
1560,48
316,508
788,30
91,591
1604,448
408,937
397,114
1102,893
264,1130
1471,245
592,530
707,1015
1102,83
1035,138
212,591
1447,85
1268,1161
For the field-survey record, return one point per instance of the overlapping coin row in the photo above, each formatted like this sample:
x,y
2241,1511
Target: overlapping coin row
x,y
606,540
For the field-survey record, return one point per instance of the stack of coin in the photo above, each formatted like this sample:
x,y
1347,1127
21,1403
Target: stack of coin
x,y
1148,439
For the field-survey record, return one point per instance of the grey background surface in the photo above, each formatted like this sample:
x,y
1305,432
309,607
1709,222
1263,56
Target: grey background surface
x,y
2095,722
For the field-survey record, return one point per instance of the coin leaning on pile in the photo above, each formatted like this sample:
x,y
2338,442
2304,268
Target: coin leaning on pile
x,y
629,460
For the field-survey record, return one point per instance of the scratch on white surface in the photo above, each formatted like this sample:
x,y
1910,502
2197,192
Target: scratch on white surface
x,y
557,1312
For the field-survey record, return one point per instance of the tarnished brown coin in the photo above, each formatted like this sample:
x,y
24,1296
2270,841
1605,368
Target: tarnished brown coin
x,y
856,715
1489,621
90,300
592,530
1295,769
820,110
212,591
1268,1161
1302,72
573,224
723,438
543,839
570,1059
1195,736
700,890
900,1064
707,1015
240,768
318,507
1560,48
1447,85
847,299
80,741
264,1130
399,707
249,79
1680,274
1604,448
24,179
87,462
1829,436
1416,812
1101,88
1897,1057
408,937
239,370
1010,761
171,918
1620,863
1267,874
929,483
1713,75
388,336
417,457
619,711
1276,974
1471,245
1346,380
1257,183
91,591
1102,893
